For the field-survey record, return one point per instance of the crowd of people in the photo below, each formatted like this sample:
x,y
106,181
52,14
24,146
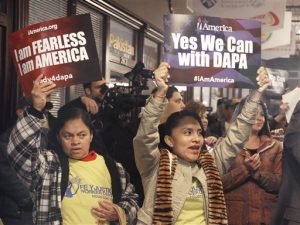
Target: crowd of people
x,y
181,164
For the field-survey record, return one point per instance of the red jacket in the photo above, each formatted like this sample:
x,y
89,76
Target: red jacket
x,y
252,201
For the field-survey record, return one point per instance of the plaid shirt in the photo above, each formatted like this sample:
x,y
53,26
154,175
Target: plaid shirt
x,y
40,169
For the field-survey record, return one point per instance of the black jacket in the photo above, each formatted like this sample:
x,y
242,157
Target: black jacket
x,y
15,199
288,211
216,129
14,196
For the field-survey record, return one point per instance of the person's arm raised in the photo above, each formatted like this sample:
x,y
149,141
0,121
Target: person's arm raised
x,y
26,142
147,139
240,128
161,75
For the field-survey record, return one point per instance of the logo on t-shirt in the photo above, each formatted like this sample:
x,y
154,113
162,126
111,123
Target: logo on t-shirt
x,y
77,186
73,186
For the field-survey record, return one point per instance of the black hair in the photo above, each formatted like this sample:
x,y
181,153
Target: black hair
x,y
87,85
175,118
71,114
221,101
265,130
230,103
171,91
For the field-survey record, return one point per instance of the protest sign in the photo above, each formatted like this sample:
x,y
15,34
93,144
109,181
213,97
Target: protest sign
x,y
291,98
278,83
211,51
63,50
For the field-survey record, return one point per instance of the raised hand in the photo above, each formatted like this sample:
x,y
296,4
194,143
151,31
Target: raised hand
x,y
161,77
262,79
90,104
211,140
40,91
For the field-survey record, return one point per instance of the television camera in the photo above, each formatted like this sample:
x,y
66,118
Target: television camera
x,y
120,101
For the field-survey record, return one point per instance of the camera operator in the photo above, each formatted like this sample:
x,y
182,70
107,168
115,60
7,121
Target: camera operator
x,y
94,95
119,111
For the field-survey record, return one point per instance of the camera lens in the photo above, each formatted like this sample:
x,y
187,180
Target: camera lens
x,y
103,88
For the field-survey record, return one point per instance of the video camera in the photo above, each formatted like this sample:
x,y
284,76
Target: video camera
x,y
118,101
